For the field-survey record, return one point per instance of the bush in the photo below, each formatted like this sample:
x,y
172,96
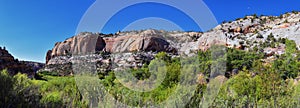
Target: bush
x,y
259,36
61,91
18,91
43,73
257,84
237,59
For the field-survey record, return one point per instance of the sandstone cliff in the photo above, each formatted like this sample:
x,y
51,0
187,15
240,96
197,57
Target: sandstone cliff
x,y
264,33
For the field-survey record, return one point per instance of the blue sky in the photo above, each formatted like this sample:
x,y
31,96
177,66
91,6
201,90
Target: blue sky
x,y
28,28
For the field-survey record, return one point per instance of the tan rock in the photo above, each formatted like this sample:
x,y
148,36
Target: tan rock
x,y
211,39
238,30
135,43
88,43
284,25
48,56
80,44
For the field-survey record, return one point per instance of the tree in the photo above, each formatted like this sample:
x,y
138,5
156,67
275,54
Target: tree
x,y
18,91
237,59
6,86
286,64
291,47
239,91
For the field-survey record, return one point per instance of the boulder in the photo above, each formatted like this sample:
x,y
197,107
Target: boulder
x,y
235,71
212,38
274,51
238,30
249,29
284,25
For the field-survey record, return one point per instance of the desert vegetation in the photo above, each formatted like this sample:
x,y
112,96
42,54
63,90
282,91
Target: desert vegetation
x,y
250,82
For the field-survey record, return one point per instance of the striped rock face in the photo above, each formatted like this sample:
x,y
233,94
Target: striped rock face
x,y
135,43
80,44
89,43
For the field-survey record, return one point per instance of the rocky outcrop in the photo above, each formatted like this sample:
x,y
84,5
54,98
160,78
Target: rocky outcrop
x,y
89,43
136,43
272,51
48,56
35,66
84,43
14,66
247,33
104,63
211,38
62,56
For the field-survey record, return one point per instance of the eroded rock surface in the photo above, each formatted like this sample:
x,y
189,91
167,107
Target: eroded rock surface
x,y
84,43
14,66
248,33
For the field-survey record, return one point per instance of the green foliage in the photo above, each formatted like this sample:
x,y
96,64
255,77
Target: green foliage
x,y
17,91
259,35
141,74
255,48
6,86
291,47
257,84
52,99
266,89
288,64
286,21
237,59
282,40
239,91
205,61
163,56
61,91
159,94
20,91
295,12
263,21
255,15
271,37
270,42
48,73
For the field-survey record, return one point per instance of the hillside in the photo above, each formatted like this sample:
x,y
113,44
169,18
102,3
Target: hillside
x,y
266,34
14,66
252,62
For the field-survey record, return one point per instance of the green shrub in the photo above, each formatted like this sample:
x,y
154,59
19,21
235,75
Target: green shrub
x,y
18,91
259,36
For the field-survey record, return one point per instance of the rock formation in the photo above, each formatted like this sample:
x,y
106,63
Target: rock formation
x,y
81,44
246,33
135,43
14,66
88,43
48,56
